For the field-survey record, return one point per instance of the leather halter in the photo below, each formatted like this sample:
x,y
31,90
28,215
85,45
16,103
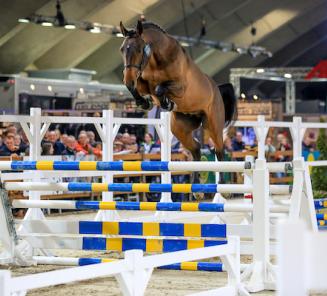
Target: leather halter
x,y
145,59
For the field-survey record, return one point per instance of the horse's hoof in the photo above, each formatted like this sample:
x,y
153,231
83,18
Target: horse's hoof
x,y
198,196
159,91
170,105
147,105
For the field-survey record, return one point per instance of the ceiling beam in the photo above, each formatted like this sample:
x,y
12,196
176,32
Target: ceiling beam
x,y
11,11
73,49
211,11
107,58
282,40
274,19
34,40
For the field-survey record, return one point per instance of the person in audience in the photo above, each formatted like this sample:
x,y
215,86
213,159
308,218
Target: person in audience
x,y
237,142
70,148
269,147
58,147
63,139
307,144
125,139
9,148
47,148
148,145
133,146
91,137
118,146
84,146
24,144
282,145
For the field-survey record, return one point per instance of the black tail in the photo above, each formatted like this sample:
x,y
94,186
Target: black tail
x,y
230,102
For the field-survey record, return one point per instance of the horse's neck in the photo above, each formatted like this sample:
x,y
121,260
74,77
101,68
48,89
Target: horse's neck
x,y
164,49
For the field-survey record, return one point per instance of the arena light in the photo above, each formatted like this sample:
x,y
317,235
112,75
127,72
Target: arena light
x,y
70,27
32,86
24,20
46,24
255,97
243,96
50,88
260,70
95,30
288,75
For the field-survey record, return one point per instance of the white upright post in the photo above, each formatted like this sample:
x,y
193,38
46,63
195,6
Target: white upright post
x,y
261,132
297,133
165,151
34,154
302,204
258,276
107,155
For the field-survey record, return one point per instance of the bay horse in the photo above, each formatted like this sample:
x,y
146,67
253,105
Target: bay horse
x,y
157,69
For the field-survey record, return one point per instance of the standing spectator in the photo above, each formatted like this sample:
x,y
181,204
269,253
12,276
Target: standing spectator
x,y
58,147
70,146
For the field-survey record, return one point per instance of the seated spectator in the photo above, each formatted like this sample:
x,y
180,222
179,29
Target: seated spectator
x,y
269,148
9,148
70,146
63,139
118,147
91,137
24,145
133,146
58,147
283,145
47,148
307,145
237,142
84,146
125,139
148,146
228,145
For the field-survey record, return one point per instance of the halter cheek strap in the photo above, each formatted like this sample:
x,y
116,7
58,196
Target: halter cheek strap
x,y
145,59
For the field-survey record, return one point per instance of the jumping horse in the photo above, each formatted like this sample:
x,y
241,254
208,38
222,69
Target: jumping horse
x,y
158,70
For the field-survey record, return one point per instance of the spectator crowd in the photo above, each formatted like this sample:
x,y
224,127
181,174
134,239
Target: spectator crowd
x,y
85,141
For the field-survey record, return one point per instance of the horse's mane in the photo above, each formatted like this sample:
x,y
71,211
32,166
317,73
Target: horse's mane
x,y
150,25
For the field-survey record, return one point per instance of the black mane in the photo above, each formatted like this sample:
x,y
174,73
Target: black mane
x,y
150,25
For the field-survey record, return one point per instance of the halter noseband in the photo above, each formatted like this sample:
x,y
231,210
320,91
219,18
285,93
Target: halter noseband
x,y
145,58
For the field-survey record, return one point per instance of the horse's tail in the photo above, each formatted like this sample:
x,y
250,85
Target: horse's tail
x,y
230,102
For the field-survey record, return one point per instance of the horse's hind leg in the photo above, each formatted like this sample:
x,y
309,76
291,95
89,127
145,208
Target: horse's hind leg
x,y
182,126
214,124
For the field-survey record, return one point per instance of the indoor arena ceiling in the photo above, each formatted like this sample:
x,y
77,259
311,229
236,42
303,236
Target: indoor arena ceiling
x,y
294,30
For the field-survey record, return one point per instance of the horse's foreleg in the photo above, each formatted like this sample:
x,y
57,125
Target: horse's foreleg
x,y
161,92
144,103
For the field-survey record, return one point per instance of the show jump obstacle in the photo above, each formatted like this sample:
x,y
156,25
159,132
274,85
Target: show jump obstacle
x,y
165,232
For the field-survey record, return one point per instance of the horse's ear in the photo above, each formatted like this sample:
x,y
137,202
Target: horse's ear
x,y
123,30
139,27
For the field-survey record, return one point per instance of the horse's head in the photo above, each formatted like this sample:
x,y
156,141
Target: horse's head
x,y
136,54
